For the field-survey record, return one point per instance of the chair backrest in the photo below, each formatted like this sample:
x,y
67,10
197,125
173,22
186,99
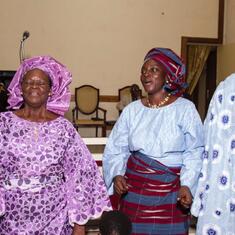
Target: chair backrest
x,y
136,92
124,94
87,99
128,94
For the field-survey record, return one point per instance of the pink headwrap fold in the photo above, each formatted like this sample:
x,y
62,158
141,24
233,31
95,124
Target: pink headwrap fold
x,y
60,77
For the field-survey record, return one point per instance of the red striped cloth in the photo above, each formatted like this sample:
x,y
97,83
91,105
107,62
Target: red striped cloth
x,y
151,201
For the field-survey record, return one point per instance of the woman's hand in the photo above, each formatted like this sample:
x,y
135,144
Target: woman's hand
x,y
185,197
120,185
78,229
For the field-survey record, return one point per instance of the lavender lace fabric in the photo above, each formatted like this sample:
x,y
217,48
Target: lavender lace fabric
x,y
48,179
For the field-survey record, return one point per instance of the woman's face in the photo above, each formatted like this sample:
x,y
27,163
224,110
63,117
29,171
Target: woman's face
x,y
152,76
35,88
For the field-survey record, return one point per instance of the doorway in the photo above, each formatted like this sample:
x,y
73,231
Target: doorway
x,y
206,85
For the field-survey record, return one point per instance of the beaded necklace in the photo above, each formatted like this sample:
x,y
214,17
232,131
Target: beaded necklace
x,y
161,103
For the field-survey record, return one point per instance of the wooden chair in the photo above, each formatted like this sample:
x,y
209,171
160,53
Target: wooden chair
x,y
136,92
128,94
87,103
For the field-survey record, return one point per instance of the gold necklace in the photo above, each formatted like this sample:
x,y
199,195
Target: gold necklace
x,y
36,132
161,103
34,127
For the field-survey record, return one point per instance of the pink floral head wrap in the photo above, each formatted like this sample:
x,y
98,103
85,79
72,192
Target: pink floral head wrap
x,y
60,77
174,67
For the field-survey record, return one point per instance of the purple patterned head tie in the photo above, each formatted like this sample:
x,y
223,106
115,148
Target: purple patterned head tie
x,y
60,77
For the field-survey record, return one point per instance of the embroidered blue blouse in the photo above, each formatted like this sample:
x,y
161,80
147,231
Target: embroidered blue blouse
x,y
214,202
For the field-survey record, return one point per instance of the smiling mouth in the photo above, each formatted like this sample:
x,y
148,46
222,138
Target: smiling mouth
x,y
147,82
34,93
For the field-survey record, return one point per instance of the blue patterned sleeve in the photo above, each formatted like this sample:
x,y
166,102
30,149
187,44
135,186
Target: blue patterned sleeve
x,y
194,147
116,151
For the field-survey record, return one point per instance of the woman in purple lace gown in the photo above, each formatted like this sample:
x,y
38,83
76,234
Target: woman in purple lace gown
x,y
49,183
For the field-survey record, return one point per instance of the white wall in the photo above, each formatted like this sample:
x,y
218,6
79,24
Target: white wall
x,y
102,42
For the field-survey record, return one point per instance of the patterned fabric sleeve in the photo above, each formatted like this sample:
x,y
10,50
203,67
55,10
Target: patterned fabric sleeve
x,y
214,202
210,117
194,147
116,151
2,202
86,193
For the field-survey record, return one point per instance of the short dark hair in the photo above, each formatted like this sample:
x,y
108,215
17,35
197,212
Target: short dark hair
x,y
115,223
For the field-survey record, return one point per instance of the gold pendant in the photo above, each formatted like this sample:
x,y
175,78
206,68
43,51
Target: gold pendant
x,y
35,131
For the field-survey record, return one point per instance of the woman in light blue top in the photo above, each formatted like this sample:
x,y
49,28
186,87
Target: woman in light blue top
x,y
153,155
214,202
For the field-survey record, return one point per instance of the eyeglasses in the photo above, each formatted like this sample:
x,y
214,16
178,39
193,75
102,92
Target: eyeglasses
x,y
35,83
